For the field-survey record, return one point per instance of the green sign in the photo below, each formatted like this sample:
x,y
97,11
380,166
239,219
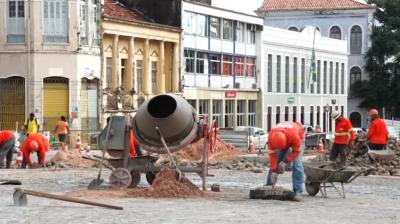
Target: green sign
x,y
290,99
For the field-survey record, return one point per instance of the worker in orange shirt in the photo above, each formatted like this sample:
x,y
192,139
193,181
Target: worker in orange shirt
x,y
134,146
378,133
34,143
344,137
284,136
7,145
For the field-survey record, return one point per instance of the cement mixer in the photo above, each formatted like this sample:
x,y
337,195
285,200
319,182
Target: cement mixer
x,y
162,125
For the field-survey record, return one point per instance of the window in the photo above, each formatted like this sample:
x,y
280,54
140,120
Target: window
x,y
203,109
325,76
355,40
294,114
108,72
287,65
278,115
215,64
295,77
190,59
229,108
335,33
227,65
293,28
95,17
240,32
122,72
251,34
83,23
189,22
241,112
286,113
312,116
217,112
331,77
303,75
139,69
302,114
337,78
214,27
154,77
318,115
342,79
202,25
252,113
16,21
239,66
202,63
318,76
269,119
55,21
250,66
269,72
278,73
355,75
227,30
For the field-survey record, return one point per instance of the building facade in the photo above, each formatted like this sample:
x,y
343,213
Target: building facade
x,y
49,62
341,19
222,64
289,93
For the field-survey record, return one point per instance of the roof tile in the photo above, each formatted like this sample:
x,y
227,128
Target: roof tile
x,y
312,5
114,9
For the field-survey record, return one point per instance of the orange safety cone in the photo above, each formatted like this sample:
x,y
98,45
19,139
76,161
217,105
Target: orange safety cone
x,y
18,162
251,147
78,144
88,152
321,147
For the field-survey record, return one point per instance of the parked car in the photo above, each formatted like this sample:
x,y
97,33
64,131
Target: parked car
x,y
258,135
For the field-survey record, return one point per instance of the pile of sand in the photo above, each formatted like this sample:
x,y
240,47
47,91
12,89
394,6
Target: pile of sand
x,y
164,185
221,151
70,159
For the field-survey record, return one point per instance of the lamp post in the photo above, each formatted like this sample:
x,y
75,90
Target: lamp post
x,y
326,109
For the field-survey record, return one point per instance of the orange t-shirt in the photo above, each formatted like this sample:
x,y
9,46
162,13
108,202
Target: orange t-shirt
x,y
377,132
344,125
43,147
62,127
5,135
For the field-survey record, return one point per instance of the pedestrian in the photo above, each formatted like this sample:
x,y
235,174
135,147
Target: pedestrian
x,y
62,130
285,136
318,129
7,145
344,138
31,125
34,143
378,133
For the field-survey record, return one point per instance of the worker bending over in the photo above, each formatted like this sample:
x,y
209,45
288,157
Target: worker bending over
x,y
344,138
284,136
378,133
34,143
7,145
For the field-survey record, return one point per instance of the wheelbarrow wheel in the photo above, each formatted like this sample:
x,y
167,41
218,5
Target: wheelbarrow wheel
x,y
120,179
150,176
135,178
312,188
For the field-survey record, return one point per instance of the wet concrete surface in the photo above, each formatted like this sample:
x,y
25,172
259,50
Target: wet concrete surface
x,y
370,199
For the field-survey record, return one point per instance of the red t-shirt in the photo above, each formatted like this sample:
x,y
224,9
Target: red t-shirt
x,y
344,125
43,147
377,133
5,135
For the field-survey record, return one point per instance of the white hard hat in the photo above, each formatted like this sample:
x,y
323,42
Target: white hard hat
x,y
335,115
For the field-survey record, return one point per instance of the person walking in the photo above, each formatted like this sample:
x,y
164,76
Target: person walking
x,y
287,135
7,145
31,125
62,129
34,143
344,137
378,133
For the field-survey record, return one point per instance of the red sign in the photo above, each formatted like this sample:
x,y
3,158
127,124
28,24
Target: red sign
x,y
230,94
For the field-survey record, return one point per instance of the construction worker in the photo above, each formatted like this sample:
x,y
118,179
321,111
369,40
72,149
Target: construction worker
x,y
31,125
62,129
284,136
7,145
134,146
378,133
34,143
318,129
344,138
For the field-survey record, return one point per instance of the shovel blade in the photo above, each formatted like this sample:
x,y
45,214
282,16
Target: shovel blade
x,y
95,184
20,198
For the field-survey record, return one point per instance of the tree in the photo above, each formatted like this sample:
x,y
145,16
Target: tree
x,y
383,61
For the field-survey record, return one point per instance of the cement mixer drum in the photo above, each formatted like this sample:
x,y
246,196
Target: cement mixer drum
x,y
173,115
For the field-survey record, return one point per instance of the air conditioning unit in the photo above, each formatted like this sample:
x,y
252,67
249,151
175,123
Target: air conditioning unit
x,y
254,86
237,85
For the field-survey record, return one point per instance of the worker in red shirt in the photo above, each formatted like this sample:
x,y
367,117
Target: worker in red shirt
x,y
344,137
378,133
284,136
34,143
7,145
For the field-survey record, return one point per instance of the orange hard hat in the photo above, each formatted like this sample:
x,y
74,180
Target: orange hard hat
x,y
373,112
277,140
33,145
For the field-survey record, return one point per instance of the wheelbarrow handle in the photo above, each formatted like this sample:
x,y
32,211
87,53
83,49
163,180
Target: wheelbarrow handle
x,y
359,174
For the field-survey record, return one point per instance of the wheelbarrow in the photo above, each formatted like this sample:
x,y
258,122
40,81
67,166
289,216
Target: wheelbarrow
x,y
321,175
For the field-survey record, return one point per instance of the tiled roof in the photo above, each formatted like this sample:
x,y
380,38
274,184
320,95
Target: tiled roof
x,y
114,9
310,5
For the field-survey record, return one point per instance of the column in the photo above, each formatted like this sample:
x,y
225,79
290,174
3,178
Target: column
x,y
129,69
115,67
160,73
146,75
175,69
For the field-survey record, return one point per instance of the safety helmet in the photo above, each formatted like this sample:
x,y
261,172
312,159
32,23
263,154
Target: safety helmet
x,y
373,112
277,140
33,146
335,115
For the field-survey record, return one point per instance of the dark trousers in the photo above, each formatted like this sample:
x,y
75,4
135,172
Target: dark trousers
x,y
6,152
376,146
338,150
25,162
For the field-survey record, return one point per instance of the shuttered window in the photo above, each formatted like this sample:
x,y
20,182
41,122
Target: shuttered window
x,y
16,21
55,21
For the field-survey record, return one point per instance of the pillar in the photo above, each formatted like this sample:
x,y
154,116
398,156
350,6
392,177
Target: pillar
x,y
146,75
115,67
161,73
129,69
175,69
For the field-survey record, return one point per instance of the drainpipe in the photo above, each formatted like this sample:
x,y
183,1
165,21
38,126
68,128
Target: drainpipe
x,y
27,88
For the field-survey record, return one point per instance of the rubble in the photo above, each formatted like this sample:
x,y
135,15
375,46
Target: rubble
x,y
70,159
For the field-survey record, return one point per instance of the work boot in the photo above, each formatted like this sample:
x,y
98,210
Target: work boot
x,y
297,196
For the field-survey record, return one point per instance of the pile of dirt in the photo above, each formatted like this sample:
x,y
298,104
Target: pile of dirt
x,y
70,159
221,151
165,185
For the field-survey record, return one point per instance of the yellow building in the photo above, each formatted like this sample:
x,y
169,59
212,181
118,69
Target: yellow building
x,y
140,58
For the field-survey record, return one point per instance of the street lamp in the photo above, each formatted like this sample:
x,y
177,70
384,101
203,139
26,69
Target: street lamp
x,y
326,109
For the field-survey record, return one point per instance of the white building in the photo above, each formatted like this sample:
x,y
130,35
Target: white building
x,y
285,77
222,64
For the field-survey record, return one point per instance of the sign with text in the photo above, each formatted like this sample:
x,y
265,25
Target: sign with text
x,y
230,94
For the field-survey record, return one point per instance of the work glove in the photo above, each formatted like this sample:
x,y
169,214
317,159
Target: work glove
x,y
282,167
274,177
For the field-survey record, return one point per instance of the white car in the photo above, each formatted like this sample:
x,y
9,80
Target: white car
x,y
258,135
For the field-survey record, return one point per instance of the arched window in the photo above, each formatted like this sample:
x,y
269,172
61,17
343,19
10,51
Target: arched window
x,y
355,119
293,28
335,33
355,75
355,40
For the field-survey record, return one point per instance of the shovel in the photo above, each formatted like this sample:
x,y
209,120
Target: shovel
x,y
95,183
10,182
